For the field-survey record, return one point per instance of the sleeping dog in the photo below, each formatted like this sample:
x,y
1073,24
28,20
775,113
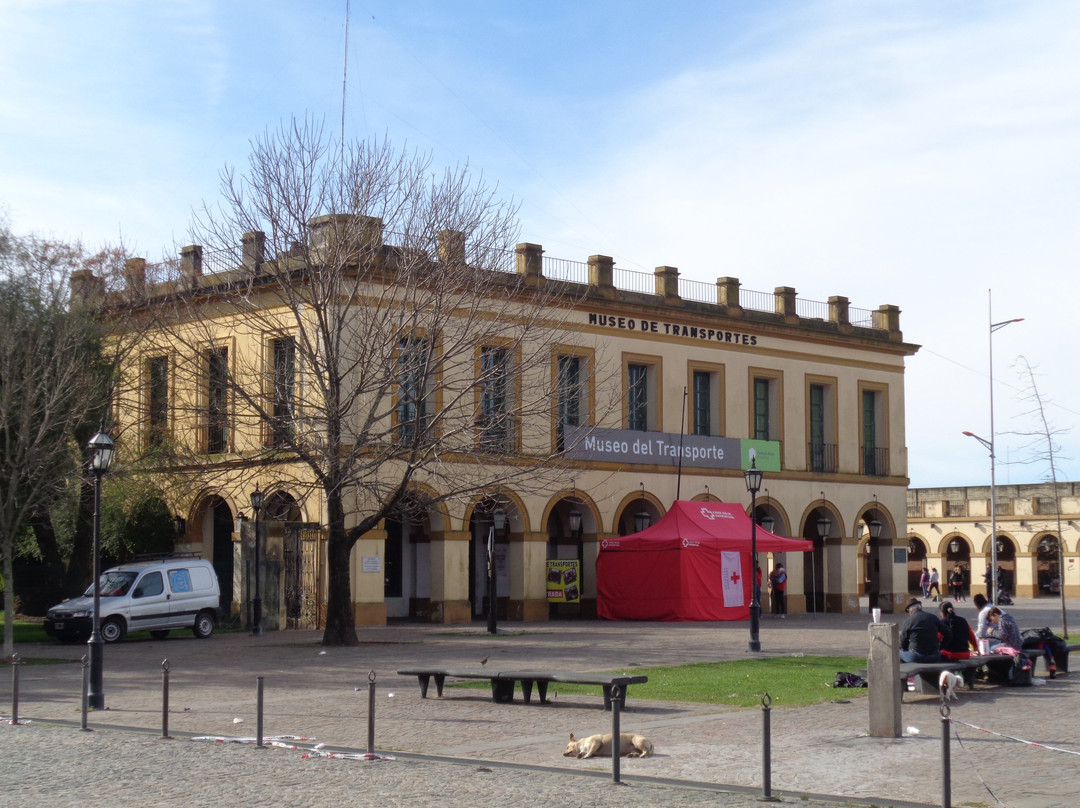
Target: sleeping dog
x,y
629,745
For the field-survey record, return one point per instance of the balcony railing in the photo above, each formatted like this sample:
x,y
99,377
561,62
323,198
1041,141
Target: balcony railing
x,y
497,433
821,457
875,461
213,436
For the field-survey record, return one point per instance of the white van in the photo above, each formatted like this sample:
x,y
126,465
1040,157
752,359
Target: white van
x,y
153,595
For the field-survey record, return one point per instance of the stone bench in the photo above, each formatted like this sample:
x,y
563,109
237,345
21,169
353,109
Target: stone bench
x,y
503,681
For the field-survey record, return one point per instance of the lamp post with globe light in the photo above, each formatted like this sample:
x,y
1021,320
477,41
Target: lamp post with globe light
x,y
753,485
101,449
256,506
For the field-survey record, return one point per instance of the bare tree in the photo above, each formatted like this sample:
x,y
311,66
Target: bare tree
x,y
381,340
1044,450
52,380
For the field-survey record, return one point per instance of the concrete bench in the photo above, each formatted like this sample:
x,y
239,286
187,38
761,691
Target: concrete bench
x,y
502,681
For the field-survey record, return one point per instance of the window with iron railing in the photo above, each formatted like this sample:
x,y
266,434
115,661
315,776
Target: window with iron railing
x,y
494,421
571,396
956,508
875,461
157,401
637,397
414,388
217,400
821,457
283,393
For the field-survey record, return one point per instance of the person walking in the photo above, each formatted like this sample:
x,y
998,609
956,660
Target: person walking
x,y
956,583
924,582
778,587
935,584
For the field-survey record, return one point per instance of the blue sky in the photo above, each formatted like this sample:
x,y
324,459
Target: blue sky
x,y
911,153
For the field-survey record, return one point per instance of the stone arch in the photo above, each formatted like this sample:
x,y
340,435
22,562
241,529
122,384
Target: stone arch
x,y
213,531
817,583
879,569
281,506
640,501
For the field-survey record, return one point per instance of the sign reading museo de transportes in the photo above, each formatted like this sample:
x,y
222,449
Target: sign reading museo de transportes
x,y
701,451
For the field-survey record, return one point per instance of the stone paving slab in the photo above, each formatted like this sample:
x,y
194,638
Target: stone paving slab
x,y
322,693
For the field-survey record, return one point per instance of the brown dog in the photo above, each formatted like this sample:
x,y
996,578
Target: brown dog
x,y
629,745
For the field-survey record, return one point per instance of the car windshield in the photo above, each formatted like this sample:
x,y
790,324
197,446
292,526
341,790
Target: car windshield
x,y
113,584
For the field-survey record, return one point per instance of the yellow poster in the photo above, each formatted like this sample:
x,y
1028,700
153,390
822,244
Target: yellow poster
x,y
563,581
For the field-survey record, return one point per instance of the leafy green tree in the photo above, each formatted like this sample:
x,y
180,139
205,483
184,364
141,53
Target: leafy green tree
x,y
54,378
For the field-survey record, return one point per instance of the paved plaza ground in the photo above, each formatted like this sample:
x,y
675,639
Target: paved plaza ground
x,y
464,750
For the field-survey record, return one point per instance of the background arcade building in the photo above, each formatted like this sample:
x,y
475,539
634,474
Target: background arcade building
x,y
663,387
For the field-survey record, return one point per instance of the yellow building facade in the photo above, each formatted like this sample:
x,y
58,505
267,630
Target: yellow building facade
x,y
672,381
1037,536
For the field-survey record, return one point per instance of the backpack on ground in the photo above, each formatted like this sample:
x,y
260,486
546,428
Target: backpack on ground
x,y
849,680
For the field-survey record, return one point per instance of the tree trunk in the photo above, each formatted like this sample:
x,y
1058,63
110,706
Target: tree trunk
x,y
40,584
340,626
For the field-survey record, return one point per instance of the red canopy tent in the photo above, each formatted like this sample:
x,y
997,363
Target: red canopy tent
x,y
693,564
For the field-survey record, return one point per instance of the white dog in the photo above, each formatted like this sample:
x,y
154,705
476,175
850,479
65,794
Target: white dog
x,y
630,745
949,684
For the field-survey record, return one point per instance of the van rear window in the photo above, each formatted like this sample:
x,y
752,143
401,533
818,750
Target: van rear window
x,y
179,581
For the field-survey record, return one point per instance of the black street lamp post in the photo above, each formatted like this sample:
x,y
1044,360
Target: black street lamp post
x,y
753,485
256,506
101,454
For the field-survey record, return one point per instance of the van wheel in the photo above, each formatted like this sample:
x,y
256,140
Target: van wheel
x,y
204,625
160,634
112,629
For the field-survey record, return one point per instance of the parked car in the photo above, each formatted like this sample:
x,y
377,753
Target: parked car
x,y
149,595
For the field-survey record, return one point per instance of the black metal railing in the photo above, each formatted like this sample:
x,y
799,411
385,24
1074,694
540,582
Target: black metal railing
x,y
875,461
821,457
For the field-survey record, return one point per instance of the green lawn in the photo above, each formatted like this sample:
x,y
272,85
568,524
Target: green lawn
x,y
790,682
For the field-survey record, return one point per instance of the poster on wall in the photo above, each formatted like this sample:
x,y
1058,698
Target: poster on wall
x,y
563,581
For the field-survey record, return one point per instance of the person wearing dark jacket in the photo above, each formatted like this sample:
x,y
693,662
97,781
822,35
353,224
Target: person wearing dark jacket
x,y
919,635
961,638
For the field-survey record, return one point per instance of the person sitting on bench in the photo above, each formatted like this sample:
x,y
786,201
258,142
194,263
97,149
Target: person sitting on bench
x,y
1003,627
961,638
982,629
919,635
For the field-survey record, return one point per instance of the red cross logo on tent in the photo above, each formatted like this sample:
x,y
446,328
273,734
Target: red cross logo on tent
x,y
735,578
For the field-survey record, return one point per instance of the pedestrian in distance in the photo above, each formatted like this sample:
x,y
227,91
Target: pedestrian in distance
x,y
778,588
935,584
956,583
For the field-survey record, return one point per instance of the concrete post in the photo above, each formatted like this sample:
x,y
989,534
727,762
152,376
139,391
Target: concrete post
x,y
883,674
727,294
601,275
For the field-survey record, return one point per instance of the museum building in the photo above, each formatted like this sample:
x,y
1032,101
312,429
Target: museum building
x,y
700,374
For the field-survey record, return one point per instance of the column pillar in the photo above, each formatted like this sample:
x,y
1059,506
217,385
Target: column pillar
x,y
450,577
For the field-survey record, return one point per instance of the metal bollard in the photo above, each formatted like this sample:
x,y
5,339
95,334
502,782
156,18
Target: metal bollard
x,y
371,713
616,733
15,661
165,698
946,761
766,750
259,712
85,690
